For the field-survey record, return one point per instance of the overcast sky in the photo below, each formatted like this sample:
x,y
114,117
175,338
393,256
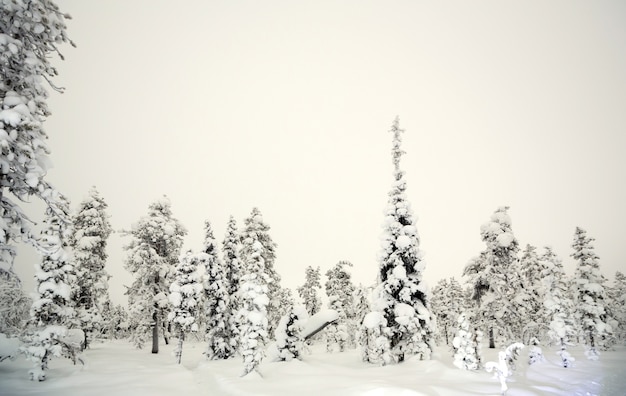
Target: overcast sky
x,y
286,105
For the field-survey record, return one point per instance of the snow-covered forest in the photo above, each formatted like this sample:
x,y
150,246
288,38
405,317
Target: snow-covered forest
x,y
217,319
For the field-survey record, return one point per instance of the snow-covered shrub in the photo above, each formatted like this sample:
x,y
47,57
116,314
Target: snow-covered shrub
x,y
505,365
340,292
289,337
374,342
535,354
466,345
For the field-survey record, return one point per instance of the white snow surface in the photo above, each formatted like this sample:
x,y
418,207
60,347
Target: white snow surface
x,y
117,368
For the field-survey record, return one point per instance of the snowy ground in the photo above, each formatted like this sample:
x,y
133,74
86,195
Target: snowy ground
x,y
116,368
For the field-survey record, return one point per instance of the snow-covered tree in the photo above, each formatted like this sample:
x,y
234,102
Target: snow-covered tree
x,y
447,303
185,296
254,297
89,240
340,292
256,225
152,258
466,345
52,311
115,325
531,295
14,304
589,293
30,32
361,303
617,295
308,292
493,277
558,306
234,272
289,339
216,291
401,295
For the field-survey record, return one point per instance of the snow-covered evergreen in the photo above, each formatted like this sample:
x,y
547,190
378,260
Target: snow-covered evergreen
x,y
401,295
494,279
590,295
185,296
30,33
256,224
466,344
374,339
89,241
617,295
254,296
531,295
14,304
308,292
558,307
447,302
340,292
289,338
152,258
52,311
231,246
217,300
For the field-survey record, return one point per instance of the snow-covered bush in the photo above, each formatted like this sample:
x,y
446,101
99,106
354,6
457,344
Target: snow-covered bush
x,y
466,345
289,337
14,304
535,353
340,292
374,341
505,365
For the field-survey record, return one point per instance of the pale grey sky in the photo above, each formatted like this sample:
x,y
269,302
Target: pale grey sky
x,y
285,105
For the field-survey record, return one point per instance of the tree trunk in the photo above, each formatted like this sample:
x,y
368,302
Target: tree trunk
x,y
492,341
179,348
155,332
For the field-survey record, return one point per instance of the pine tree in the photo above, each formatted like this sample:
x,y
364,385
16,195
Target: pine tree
x,y
340,292
152,257
185,296
115,323
494,279
557,305
52,311
234,271
89,240
589,292
361,303
289,339
254,296
401,295
216,291
447,304
30,32
308,292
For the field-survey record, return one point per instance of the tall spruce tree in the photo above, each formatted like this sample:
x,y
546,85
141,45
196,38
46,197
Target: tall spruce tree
x,y
401,296
256,224
152,258
231,256
590,296
308,292
254,296
217,300
89,240
30,32
52,312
